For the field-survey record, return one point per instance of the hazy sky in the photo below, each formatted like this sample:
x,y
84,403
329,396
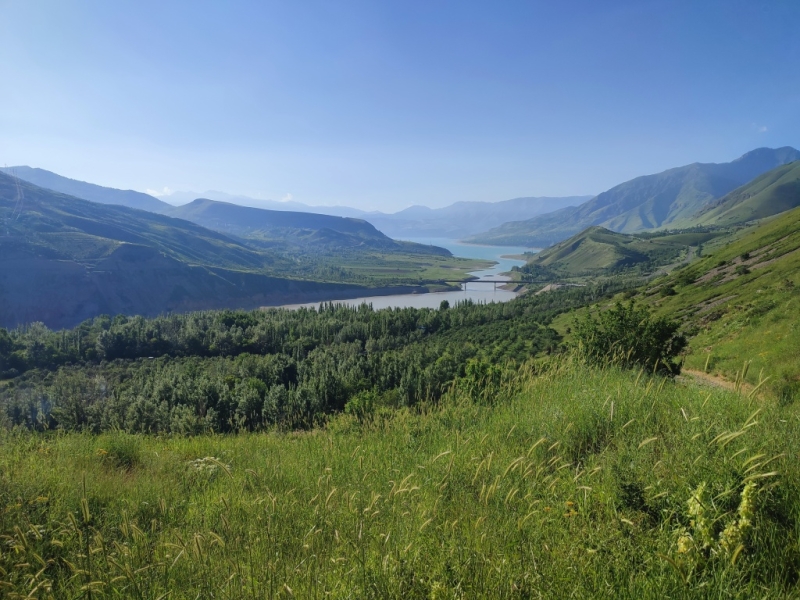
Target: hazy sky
x,y
382,104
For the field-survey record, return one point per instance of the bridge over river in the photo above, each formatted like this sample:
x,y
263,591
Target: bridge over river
x,y
464,282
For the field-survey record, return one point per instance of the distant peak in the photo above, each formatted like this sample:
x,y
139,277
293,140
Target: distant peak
x,y
784,153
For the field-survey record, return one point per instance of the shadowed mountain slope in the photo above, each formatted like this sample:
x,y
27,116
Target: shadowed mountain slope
x,y
67,259
273,227
87,191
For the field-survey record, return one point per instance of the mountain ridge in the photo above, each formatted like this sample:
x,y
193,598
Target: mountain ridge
x,y
86,191
771,193
645,202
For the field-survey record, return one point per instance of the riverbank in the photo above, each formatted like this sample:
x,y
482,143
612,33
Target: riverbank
x,y
496,258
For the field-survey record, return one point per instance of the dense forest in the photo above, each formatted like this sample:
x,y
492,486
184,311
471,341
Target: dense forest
x,y
228,370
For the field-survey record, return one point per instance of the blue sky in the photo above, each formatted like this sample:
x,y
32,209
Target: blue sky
x,y
383,104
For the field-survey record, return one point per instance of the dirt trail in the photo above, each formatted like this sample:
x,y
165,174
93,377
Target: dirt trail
x,y
716,380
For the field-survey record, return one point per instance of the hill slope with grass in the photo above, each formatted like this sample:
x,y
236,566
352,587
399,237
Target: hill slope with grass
x,y
740,306
646,202
401,453
770,194
598,251
564,482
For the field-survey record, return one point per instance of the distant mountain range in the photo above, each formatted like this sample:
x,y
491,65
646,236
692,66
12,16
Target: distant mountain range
x,y
180,198
287,228
277,228
652,201
454,221
462,219
87,191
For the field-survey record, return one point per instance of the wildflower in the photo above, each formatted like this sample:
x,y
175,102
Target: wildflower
x,y
736,531
685,543
698,519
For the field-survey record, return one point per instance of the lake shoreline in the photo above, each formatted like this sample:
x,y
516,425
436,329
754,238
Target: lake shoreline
x,y
501,259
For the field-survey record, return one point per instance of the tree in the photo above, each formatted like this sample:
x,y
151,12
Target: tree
x,y
629,335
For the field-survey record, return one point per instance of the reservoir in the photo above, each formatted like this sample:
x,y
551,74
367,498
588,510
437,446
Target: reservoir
x,y
475,290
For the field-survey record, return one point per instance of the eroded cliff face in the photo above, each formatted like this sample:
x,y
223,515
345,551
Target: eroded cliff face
x,y
138,280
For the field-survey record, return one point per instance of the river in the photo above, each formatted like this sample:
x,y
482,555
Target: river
x,y
475,291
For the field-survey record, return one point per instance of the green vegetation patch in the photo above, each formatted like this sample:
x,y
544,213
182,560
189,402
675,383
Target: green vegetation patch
x,y
573,482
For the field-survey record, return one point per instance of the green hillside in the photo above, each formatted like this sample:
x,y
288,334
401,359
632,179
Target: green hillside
x,y
382,454
597,251
451,453
739,305
771,193
742,304
646,202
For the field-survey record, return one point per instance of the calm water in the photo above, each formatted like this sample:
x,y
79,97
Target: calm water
x,y
476,291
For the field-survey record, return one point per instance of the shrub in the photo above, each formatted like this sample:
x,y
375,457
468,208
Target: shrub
x,y
630,336
668,290
121,450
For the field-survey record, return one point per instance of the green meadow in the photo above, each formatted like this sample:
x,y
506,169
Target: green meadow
x,y
560,480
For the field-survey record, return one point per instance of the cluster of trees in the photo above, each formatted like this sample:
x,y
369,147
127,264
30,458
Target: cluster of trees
x,y
234,370
231,370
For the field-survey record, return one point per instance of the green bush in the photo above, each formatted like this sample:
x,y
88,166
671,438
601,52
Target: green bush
x,y
630,336
121,450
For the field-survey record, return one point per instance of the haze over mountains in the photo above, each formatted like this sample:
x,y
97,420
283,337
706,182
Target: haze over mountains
x,y
291,229
87,191
665,199
463,219
455,221
179,198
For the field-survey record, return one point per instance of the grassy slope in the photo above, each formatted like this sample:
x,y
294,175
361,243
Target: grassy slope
x,y
735,316
770,194
596,249
575,486
745,316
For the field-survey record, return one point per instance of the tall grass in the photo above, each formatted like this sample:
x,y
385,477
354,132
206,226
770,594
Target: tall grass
x,y
572,482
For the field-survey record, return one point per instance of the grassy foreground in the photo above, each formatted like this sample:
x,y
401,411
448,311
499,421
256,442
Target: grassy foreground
x,y
572,482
